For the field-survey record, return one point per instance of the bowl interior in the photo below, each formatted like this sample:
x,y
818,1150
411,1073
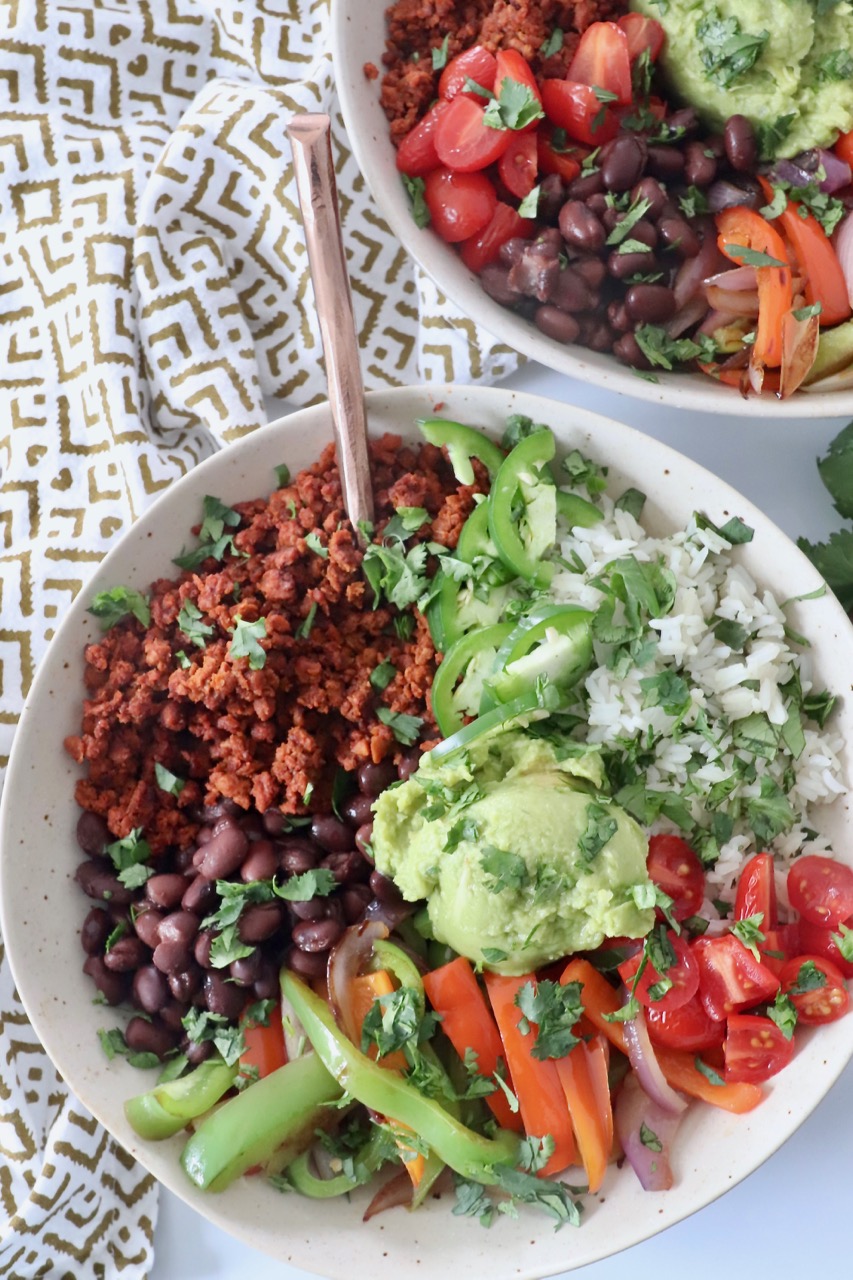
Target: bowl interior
x,y
42,908
358,38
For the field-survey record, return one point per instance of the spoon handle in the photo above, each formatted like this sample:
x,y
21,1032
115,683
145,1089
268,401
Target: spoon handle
x,y
310,138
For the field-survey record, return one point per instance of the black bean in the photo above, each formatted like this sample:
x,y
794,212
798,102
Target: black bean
x,y
200,896
611,216
210,813
409,764
92,833
201,950
261,862
171,956
310,909
97,879
622,265
627,349
552,196
173,1013
95,930
347,868
150,989
599,203
617,316
354,900
384,889
147,925
573,293
165,890
126,954
308,964
197,1051
245,970
260,921
495,281
666,163
298,855
556,324
275,822
253,826
740,143
267,981
112,986
204,835
597,335
591,270
330,833
510,252
179,926
646,232
317,935
580,227
727,195
184,984
359,809
677,234
686,119
154,1037
363,838
222,996
373,779
183,859
586,185
651,190
700,164
650,303
622,161
224,852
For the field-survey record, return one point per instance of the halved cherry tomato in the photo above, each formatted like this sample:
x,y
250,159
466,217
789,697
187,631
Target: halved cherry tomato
x,y
511,65
518,165
730,977
484,247
819,940
602,59
688,1027
815,1004
565,163
844,147
756,891
779,945
416,154
463,142
575,108
676,870
475,64
755,1048
643,33
460,204
821,889
684,976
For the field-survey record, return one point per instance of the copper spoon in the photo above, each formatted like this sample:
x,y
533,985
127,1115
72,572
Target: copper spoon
x,y
318,199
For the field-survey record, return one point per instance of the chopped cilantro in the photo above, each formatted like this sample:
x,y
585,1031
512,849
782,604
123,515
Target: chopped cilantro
x,y
109,607
664,352
114,1044
553,44
439,55
508,870
783,1013
182,660
693,203
649,1138
227,947
748,931
245,642
809,978
405,728
214,542
319,882
632,501
637,210
382,675
734,530
282,474
168,781
752,257
529,206
555,1010
304,629
712,1076
464,829
515,107
494,955
227,1040
312,541
189,621
600,827
129,856
770,134
584,473
726,50
420,210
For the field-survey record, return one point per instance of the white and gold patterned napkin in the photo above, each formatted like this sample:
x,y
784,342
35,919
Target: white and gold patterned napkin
x,y
153,291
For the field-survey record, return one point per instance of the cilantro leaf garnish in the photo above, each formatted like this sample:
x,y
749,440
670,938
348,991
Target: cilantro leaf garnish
x,y
600,827
508,870
752,257
227,947
555,1010
114,1044
529,206
319,882
464,829
748,931
282,475
712,1076
214,541
439,54
405,728
553,44
305,627
189,621
783,1013
382,675
515,107
415,188
664,352
227,1040
312,541
129,856
245,641
809,978
726,50
168,781
109,607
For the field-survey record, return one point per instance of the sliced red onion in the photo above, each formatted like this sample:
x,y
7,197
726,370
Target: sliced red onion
x,y
397,1190
799,350
803,169
791,172
729,195
693,272
717,320
637,1118
644,1061
746,304
737,279
347,959
838,171
689,315
843,241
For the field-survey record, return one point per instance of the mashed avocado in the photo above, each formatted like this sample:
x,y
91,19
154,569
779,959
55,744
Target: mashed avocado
x,y
519,857
786,66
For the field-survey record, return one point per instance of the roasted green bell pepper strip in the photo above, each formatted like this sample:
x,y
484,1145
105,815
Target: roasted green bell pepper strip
x,y
576,511
462,444
527,704
468,647
554,642
529,457
445,612
370,1158
276,1116
468,1153
168,1108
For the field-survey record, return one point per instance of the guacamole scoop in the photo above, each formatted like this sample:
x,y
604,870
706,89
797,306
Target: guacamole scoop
x,y
519,857
783,66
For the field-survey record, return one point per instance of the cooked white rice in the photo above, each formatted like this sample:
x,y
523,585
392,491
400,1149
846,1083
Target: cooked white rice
x,y
726,685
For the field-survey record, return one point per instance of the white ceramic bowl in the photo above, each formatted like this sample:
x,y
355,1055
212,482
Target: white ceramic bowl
x,y
42,907
358,37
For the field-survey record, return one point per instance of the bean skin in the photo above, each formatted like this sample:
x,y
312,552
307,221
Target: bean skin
x,y
186,983
347,867
666,163
245,970
330,833
308,964
363,837
179,926
311,909
373,779
224,852
618,317
585,185
298,856
260,921
112,986
627,349
580,227
317,935
196,1051
359,809
222,996
740,144
95,930
409,764
150,1037
495,281
126,955
267,982
354,900
201,950
700,167
622,265
200,897
261,862
147,926
650,189
622,161
590,270
678,235
97,879
556,324
650,303
171,956
150,989
384,889
165,890
92,833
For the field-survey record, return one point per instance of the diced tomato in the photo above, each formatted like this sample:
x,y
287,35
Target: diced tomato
x,y
463,142
460,204
684,976
676,870
755,1048
551,159
819,940
821,889
475,64
602,59
511,65
518,166
779,945
484,247
688,1027
416,154
756,891
575,108
844,147
730,977
642,33
815,1004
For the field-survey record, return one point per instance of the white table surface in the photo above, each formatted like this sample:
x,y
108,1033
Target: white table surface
x,y
790,1218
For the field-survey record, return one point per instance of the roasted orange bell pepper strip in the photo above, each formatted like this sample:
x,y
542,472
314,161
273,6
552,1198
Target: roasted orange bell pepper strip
x,y
537,1084
817,260
589,1105
468,1024
264,1051
738,229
